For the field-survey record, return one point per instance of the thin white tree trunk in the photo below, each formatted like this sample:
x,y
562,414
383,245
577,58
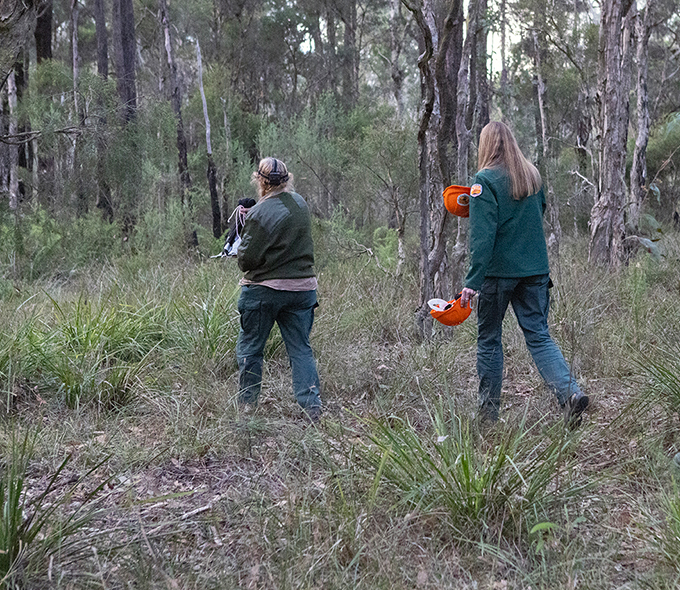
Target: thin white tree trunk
x,y
13,149
638,172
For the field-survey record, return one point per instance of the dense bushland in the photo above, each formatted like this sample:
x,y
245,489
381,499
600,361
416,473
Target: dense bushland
x,y
123,441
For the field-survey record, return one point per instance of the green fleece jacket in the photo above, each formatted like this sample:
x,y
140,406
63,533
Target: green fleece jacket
x,y
506,235
276,240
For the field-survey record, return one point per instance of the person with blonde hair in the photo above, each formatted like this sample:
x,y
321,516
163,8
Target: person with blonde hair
x,y
279,286
509,265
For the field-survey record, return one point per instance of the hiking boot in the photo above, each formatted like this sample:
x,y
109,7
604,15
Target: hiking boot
x,y
312,414
574,408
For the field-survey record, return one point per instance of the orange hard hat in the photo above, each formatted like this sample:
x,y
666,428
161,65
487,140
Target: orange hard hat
x,y
457,200
449,313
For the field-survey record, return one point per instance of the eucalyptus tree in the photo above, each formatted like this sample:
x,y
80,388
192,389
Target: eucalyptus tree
x,y
607,230
638,172
124,46
447,120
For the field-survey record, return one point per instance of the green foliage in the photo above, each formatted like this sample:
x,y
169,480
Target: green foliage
x,y
513,482
35,525
94,354
385,245
663,366
206,326
663,159
668,541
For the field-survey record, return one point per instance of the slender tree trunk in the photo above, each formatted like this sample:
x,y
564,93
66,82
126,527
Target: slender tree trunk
x,y
104,200
427,82
43,51
13,127
638,172
102,39
483,101
176,100
464,134
350,70
226,206
79,113
396,46
607,230
544,133
446,65
211,172
43,32
504,63
331,53
4,147
124,46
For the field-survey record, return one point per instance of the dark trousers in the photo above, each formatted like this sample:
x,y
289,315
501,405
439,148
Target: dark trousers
x,y
530,299
293,311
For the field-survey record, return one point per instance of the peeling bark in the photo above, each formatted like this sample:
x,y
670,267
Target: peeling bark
x,y
607,231
638,172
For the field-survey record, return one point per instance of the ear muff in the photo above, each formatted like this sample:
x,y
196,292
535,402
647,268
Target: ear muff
x,y
275,177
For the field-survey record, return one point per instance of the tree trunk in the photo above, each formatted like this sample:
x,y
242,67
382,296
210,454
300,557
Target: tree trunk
x,y
226,207
607,231
483,101
124,47
464,136
396,47
176,100
211,172
504,63
102,39
43,32
427,85
13,147
438,123
4,147
638,172
331,52
544,133
104,200
350,68
79,114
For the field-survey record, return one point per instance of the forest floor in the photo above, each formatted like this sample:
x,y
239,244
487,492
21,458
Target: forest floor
x,y
397,486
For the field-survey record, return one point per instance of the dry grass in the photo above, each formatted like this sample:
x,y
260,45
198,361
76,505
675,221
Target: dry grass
x,y
202,496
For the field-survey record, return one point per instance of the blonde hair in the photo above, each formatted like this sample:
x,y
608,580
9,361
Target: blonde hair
x,y
271,175
498,149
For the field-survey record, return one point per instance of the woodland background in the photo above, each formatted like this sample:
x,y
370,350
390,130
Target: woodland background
x,y
129,130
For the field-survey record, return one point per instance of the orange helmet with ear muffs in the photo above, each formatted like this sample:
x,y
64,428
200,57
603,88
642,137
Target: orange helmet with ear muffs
x,y
449,313
457,200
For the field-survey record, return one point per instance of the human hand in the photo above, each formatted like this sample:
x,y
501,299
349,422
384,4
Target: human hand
x,y
466,296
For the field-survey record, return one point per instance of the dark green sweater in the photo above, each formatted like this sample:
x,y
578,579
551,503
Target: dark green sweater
x,y
506,235
276,241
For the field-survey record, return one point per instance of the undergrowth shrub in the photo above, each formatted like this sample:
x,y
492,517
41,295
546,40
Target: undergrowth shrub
x,y
94,353
507,486
206,325
668,542
35,525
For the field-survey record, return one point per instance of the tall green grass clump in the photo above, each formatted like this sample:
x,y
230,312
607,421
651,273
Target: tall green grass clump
x,y
668,541
35,526
663,367
95,353
505,484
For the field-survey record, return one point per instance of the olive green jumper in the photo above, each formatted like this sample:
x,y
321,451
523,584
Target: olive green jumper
x,y
506,235
276,241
